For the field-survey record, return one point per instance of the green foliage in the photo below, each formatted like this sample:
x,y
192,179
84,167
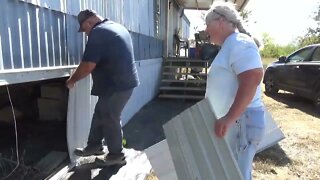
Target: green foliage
x,y
313,34
273,50
245,14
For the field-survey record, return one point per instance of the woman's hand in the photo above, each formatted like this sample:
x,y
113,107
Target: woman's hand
x,y
222,125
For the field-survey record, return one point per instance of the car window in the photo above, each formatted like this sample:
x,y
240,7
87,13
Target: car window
x,y
300,55
316,55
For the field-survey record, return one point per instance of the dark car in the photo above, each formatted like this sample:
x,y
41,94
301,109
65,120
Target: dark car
x,y
298,73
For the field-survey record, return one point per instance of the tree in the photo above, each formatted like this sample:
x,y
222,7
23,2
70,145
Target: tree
x,y
273,50
313,34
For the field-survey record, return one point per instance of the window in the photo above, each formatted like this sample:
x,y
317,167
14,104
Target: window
x,y
301,55
316,55
157,19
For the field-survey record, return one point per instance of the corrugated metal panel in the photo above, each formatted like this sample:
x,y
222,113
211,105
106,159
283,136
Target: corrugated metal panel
x,y
273,133
57,5
151,15
161,161
37,34
80,110
75,41
75,6
196,152
31,36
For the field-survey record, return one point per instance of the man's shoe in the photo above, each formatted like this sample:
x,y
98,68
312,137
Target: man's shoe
x,y
111,160
89,151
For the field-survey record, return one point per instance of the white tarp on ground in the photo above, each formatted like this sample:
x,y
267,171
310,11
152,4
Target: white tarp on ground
x,y
163,163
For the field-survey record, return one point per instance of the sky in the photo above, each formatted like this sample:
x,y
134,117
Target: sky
x,y
283,20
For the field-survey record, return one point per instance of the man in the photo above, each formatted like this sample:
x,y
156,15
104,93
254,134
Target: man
x,y
109,57
233,87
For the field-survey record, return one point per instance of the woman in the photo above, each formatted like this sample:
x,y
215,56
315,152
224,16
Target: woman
x,y
233,86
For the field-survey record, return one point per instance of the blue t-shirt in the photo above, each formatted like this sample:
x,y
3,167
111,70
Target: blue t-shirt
x,y
110,47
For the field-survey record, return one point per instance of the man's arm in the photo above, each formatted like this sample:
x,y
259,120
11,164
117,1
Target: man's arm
x,y
248,82
84,69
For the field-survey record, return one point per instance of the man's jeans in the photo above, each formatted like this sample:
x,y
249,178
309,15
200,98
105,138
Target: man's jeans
x,y
246,135
106,121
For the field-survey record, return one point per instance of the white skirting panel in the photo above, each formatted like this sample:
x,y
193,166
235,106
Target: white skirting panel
x,y
81,103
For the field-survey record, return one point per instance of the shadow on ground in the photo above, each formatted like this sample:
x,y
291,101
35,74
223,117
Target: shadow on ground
x,y
274,155
84,172
297,102
145,128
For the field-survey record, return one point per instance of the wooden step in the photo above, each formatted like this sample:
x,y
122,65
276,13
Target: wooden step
x,y
183,88
193,74
176,96
176,59
184,81
185,60
184,66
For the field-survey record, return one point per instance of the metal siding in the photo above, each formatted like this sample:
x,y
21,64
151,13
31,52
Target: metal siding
x,y
36,34
74,6
31,36
196,152
151,15
127,14
135,16
57,5
135,41
143,17
75,41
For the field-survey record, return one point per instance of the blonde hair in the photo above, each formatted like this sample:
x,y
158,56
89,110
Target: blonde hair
x,y
228,11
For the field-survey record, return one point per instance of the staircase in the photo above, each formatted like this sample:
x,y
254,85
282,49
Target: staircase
x,y
183,78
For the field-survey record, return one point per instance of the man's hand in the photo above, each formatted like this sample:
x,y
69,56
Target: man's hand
x,y
70,84
222,125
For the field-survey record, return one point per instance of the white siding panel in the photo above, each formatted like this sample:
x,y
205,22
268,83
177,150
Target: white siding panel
x,y
273,133
197,153
161,161
80,111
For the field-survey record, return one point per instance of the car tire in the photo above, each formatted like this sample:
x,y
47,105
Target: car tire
x,y
270,87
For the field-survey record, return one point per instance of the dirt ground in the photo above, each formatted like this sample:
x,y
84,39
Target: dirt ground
x,y
298,155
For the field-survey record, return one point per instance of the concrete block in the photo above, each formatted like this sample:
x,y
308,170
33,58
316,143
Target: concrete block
x,y
52,109
54,91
